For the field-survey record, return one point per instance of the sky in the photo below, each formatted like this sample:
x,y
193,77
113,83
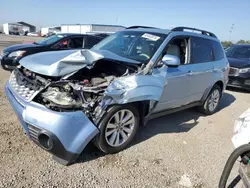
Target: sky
x,y
216,16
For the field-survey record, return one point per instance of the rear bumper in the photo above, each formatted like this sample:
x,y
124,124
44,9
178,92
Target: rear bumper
x,y
69,132
240,81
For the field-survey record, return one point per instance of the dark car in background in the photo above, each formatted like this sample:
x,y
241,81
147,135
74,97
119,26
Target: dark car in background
x,y
12,54
239,59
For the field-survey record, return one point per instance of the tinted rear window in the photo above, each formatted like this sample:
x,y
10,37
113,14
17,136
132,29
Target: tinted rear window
x,y
201,51
217,50
91,41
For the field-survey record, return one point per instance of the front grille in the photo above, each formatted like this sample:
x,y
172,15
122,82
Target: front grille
x,y
233,71
34,132
22,86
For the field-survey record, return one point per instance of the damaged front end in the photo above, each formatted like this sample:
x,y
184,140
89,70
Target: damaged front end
x,y
61,102
60,112
85,89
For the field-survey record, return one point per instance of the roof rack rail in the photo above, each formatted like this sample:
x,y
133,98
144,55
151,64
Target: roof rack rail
x,y
138,26
203,32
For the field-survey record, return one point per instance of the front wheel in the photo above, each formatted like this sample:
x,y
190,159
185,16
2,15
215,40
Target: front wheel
x,y
117,128
212,102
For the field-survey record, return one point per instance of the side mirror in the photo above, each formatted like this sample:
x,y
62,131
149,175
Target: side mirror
x,y
171,60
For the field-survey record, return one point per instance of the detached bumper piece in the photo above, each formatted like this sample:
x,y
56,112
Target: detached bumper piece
x,y
64,134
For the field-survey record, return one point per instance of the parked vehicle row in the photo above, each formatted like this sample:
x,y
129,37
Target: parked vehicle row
x,y
239,59
65,99
12,55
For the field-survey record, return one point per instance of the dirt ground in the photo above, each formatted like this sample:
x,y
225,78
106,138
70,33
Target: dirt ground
x,y
184,149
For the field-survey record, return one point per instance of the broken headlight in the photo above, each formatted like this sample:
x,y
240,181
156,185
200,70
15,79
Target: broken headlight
x,y
116,87
120,86
54,96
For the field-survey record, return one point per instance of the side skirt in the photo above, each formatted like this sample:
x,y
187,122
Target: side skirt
x,y
170,111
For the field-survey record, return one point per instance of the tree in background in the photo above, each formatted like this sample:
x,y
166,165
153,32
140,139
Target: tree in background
x,y
243,42
226,44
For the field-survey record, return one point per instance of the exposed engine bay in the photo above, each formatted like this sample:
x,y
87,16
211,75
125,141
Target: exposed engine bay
x,y
81,90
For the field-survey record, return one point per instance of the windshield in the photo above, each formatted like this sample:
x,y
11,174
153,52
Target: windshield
x,y
50,40
136,45
238,52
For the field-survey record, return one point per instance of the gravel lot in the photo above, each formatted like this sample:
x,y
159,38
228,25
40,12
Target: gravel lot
x,y
184,149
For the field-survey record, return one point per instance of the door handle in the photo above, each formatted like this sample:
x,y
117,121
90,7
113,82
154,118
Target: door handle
x,y
190,73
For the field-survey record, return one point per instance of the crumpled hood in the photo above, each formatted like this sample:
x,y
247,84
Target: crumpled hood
x,y
61,63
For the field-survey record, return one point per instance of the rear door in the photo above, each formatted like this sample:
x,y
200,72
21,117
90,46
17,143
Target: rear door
x,y
201,67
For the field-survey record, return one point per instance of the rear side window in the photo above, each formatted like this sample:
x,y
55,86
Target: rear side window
x,y
76,42
217,50
201,51
90,42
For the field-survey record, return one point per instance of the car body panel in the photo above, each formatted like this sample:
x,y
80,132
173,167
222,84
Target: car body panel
x,y
73,129
172,96
139,87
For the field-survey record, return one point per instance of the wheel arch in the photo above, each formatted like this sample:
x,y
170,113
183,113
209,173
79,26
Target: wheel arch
x,y
206,93
144,108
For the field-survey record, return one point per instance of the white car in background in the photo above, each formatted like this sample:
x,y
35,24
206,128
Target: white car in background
x,y
33,34
242,130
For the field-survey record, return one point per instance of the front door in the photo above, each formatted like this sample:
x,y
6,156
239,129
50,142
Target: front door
x,y
177,91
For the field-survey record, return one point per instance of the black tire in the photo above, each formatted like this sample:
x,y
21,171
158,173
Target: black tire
x,y
100,140
204,109
240,151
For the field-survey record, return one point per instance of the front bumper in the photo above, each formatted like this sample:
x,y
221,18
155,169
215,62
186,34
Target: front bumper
x,y
70,131
240,81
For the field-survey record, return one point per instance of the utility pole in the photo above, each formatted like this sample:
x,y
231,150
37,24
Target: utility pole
x,y
230,31
116,20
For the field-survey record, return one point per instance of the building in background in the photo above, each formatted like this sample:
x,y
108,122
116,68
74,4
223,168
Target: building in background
x,y
90,28
46,30
18,28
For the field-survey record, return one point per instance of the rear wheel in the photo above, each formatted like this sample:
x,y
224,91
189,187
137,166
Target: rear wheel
x,y
117,128
212,102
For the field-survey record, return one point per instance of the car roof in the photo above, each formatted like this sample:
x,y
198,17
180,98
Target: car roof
x,y
151,30
79,34
182,30
71,34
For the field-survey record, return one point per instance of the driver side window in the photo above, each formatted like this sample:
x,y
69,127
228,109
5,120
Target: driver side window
x,y
62,44
179,47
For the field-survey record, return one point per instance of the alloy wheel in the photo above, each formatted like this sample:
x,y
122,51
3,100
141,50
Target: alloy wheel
x,y
213,100
120,127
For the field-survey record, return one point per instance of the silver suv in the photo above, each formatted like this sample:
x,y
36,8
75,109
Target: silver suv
x,y
66,99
